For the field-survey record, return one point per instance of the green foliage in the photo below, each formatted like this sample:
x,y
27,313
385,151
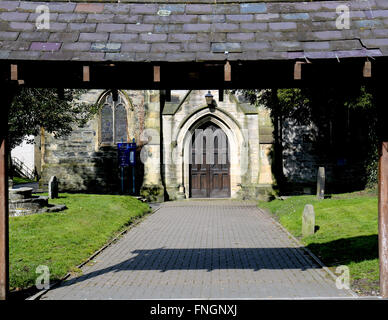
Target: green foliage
x,y
298,104
289,103
365,103
347,233
35,108
18,180
63,240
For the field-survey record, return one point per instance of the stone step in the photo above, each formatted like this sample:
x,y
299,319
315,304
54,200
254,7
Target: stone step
x,y
21,193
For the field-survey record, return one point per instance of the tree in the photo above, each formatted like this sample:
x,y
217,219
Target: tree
x,y
320,106
56,112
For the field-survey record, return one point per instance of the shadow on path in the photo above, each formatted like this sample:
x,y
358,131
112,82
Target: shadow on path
x,y
165,259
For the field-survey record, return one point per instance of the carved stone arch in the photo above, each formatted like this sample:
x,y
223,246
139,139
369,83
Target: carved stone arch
x,y
237,144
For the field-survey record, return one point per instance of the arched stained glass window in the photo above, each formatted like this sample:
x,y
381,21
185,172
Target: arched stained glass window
x,y
106,124
114,123
120,123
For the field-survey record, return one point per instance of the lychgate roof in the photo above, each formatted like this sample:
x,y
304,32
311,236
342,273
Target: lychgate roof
x,y
187,31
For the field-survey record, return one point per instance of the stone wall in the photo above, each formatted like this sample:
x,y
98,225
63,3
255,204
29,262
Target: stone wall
x,y
80,162
240,121
303,154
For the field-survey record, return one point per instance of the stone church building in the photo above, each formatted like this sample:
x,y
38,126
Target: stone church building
x,y
166,166
192,149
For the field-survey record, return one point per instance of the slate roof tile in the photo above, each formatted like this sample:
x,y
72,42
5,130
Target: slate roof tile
x,y
99,31
115,56
100,17
34,36
89,7
76,46
45,46
71,17
123,37
94,37
57,26
117,8
5,35
8,5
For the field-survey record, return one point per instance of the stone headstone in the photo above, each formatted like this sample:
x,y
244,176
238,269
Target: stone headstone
x,y
321,183
10,183
308,220
53,187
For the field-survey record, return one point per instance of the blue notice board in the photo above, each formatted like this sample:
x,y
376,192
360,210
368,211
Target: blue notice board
x,y
123,150
127,154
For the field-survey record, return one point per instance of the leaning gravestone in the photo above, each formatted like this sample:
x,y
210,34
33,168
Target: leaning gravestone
x,y
321,183
53,187
308,220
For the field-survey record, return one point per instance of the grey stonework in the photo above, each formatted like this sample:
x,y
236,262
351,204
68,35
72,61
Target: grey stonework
x,y
304,151
82,163
79,161
22,202
321,183
308,220
53,187
236,118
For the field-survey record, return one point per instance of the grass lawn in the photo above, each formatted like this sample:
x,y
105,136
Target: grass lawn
x,y
18,180
347,233
65,239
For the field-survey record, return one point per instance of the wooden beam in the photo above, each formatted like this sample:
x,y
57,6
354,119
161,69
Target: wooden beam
x,y
14,72
298,70
156,73
227,72
367,71
86,74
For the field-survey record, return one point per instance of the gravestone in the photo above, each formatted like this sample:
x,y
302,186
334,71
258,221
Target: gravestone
x,y
53,187
321,183
308,220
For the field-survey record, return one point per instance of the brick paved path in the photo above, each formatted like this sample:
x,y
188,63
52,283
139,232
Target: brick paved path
x,y
202,249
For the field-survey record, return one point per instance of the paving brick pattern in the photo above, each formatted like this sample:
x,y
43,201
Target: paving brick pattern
x,y
202,250
249,31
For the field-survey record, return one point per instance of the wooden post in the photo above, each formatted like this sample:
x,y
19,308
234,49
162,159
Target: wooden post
x,y
227,72
382,114
4,244
383,218
298,70
367,71
86,74
156,73
3,217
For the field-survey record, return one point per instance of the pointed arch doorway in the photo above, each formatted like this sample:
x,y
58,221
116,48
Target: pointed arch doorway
x,y
210,163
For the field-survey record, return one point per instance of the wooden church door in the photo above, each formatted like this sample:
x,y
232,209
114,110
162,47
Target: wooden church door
x,y
210,166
